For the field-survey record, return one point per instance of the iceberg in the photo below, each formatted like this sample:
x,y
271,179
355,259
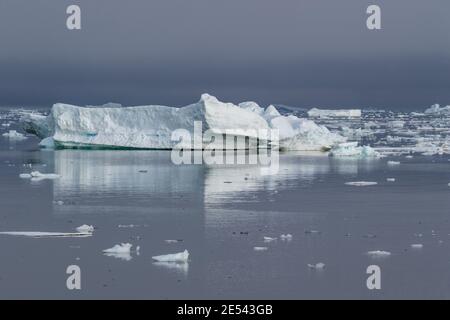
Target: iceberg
x,y
344,113
152,126
175,257
436,109
14,135
119,248
351,149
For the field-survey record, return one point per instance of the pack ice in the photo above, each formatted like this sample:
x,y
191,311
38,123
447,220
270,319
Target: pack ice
x,y
344,113
151,127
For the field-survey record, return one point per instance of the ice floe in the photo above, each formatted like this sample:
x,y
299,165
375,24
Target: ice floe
x,y
39,234
351,149
42,176
317,266
417,246
286,237
174,257
260,248
393,163
390,179
85,228
361,183
344,113
379,253
119,248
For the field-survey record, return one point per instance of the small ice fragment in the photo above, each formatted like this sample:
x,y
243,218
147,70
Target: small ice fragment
x,y
119,248
286,237
393,163
172,241
85,228
175,257
361,183
269,239
59,202
36,175
138,250
390,179
417,246
25,176
379,253
312,232
409,157
317,266
260,248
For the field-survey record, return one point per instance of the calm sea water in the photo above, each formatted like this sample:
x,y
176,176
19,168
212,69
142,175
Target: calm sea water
x,y
221,214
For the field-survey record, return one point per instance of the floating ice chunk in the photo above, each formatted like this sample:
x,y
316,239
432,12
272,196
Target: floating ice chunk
x,y
351,149
361,183
25,176
85,228
286,237
173,241
324,113
269,239
39,234
393,163
317,266
260,248
390,179
175,257
379,253
409,157
312,231
417,246
14,135
119,248
42,176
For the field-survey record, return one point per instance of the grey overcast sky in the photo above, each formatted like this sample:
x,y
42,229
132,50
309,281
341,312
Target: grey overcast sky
x,y
297,52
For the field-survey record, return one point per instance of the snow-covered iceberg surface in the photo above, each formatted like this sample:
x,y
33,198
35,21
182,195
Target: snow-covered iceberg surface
x,y
351,149
323,113
153,127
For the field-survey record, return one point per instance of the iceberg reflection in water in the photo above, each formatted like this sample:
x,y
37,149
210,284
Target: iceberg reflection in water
x,y
96,179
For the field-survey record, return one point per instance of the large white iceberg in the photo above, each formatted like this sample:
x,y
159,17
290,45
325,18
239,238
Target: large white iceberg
x,y
344,113
152,127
